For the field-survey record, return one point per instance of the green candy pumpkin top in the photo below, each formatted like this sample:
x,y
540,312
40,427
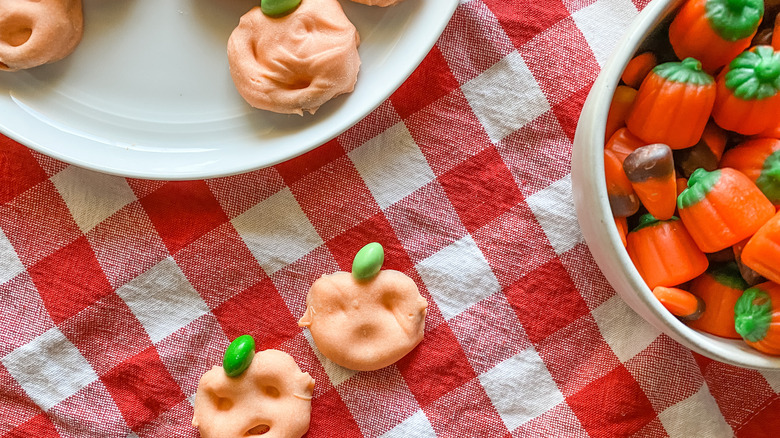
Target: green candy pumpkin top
x,y
368,261
755,74
734,20
648,220
769,180
700,183
753,314
687,71
728,275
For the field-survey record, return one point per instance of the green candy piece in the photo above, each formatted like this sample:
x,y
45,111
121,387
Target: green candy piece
x,y
648,220
700,184
769,180
687,71
278,8
734,19
755,74
753,314
239,355
368,261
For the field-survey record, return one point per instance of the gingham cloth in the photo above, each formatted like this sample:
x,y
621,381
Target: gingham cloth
x,y
117,294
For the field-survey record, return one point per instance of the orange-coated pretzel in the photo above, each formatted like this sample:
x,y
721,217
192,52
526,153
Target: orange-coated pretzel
x,y
368,324
36,32
271,398
296,62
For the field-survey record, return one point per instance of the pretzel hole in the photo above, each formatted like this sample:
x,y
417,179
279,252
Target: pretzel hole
x,y
16,31
271,391
4,66
299,84
222,403
260,429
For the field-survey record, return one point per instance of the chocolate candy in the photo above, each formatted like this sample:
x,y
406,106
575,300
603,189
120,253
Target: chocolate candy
x,y
368,261
239,355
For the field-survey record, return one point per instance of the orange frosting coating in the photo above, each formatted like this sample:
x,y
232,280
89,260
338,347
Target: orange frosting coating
x,y
272,398
297,62
33,33
365,325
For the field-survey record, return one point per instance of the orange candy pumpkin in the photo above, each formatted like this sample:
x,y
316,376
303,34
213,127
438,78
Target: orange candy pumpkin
x,y
722,207
720,288
664,253
673,104
757,317
762,251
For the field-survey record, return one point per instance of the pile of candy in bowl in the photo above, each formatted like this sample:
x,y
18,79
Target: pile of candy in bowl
x,y
692,164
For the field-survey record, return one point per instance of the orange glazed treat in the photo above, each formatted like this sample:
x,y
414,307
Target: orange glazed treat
x,y
34,33
673,104
269,396
367,319
664,253
383,3
296,62
720,288
762,251
757,317
722,207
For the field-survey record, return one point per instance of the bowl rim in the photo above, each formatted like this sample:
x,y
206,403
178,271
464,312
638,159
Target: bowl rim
x,y
601,234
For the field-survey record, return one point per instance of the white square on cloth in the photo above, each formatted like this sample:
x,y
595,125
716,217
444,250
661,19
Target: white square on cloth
x,y
458,277
392,165
277,231
92,197
49,368
10,265
416,426
505,97
697,415
521,388
163,300
625,331
603,23
554,209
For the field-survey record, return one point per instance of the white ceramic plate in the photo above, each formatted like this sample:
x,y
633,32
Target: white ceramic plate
x,y
148,94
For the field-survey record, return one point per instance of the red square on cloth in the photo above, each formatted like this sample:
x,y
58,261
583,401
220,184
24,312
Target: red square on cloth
x,y
374,229
142,388
613,405
523,20
569,110
221,247
765,423
258,311
39,426
70,280
38,223
293,170
334,197
466,411
20,170
330,417
183,211
481,189
437,366
431,80
546,300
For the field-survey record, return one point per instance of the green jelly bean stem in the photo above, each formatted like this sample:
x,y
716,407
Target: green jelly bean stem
x,y
278,8
239,355
368,261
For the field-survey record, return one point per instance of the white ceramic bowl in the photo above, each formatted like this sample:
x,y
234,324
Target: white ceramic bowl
x,y
148,93
595,218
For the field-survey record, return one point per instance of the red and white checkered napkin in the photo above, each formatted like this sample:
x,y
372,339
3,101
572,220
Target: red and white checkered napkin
x,y
116,295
